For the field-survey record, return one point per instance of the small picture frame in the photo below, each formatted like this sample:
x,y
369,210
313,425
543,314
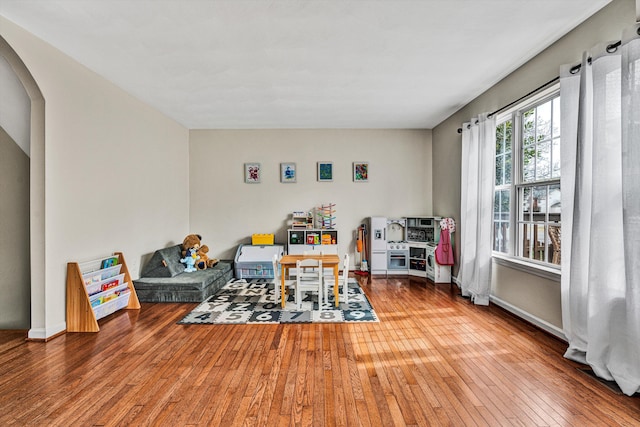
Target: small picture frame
x,y
360,171
252,173
325,171
288,173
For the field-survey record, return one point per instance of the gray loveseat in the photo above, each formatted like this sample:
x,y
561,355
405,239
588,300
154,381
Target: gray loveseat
x,y
163,278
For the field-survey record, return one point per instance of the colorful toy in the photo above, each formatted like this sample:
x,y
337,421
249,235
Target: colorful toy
x,y
194,241
190,260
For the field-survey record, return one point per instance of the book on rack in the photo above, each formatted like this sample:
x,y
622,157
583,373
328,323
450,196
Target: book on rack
x,y
109,262
109,285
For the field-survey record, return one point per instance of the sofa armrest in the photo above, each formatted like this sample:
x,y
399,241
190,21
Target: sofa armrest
x,y
164,263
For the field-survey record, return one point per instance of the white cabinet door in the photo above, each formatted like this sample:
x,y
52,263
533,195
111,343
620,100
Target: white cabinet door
x,y
378,262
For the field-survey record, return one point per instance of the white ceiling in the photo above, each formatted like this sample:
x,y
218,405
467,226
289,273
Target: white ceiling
x,y
259,64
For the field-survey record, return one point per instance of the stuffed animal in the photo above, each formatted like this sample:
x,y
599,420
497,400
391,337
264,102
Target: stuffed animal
x,y
194,241
190,260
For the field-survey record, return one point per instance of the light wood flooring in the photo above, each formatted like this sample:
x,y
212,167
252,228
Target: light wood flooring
x,y
433,359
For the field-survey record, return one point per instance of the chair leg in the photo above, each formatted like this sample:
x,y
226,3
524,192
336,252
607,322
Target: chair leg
x,y
345,293
276,291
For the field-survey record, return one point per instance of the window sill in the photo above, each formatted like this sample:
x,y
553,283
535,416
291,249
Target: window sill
x,y
549,273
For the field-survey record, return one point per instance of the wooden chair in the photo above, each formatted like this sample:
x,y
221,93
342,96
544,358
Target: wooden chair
x,y
342,281
309,281
555,234
277,280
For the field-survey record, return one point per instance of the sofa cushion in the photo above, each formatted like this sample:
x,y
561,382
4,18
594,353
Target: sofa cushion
x,y
195,280
164,263
185,287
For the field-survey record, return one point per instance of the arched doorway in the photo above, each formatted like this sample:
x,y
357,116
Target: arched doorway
x,y
36,189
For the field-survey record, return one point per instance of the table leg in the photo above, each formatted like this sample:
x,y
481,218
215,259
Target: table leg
x,y
336,274
283,297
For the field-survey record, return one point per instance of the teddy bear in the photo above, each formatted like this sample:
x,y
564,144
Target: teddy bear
x,y
194,241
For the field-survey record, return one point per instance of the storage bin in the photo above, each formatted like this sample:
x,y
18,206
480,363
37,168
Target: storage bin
x,y
97,276
111,306
96,287
262,239
255,262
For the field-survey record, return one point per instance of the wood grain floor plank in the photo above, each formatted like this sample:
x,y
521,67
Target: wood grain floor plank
x,y
434,359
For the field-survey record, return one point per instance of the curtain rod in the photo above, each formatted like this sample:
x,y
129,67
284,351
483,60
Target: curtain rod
x,y
539,88
610,49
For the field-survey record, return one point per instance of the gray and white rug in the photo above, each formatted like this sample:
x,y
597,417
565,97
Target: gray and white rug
x,y
252,301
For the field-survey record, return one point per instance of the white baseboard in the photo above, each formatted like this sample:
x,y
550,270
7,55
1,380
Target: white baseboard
x,y
43,334
542,324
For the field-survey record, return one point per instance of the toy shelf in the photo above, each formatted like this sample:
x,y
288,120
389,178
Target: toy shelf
x,y
96,289
301,220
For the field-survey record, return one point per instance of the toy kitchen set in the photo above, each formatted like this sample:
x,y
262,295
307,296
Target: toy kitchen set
x,y
406,246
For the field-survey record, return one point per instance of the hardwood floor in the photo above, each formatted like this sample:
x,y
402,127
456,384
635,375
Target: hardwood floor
x,y
433,359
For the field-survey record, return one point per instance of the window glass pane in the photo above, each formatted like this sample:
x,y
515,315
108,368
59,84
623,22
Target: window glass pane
x,y
539,202
555,233
505,204
555,205
543,121
528,127
525,231
555,158
525,203
543,162
499,170
500,139
539,248
501,208
501,236
528,163
533,241
507,136
507,169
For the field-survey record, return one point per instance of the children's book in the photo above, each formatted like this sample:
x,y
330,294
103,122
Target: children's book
x,y
109,262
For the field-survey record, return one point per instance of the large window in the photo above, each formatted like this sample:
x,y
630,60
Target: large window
x,y
526,221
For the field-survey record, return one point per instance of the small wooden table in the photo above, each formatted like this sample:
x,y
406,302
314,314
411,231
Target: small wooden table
x,y
328,261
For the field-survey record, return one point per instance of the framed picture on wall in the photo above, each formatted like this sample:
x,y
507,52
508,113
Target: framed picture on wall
x,y
288,173
360,171
252,173
325,171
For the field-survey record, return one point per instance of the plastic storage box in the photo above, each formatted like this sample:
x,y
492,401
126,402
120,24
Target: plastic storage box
x,y
255,261
262,239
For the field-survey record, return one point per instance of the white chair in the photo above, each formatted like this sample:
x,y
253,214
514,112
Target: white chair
x,y
277,280
310,271
342,281
310,281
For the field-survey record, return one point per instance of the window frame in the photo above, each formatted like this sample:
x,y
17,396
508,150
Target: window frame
x,y
510,259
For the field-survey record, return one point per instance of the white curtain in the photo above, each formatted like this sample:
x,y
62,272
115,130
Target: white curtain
x,y
476,206
600,108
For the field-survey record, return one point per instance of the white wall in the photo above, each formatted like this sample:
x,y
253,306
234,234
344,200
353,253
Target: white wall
x,y
15,107
116,176
15,283
534,295
226,211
